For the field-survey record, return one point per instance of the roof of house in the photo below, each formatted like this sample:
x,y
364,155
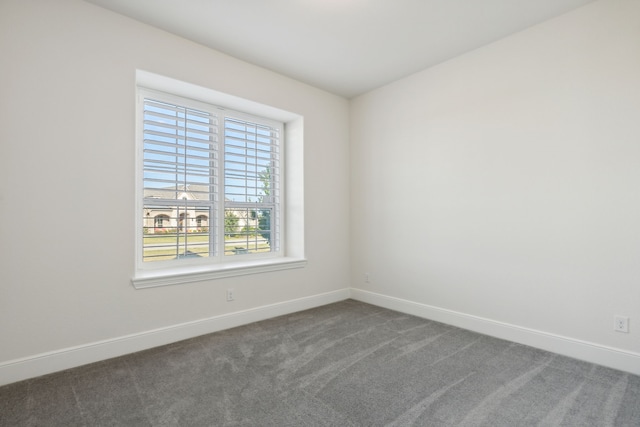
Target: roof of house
x,y
192,191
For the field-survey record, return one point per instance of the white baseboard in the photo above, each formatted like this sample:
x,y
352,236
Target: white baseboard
x,y
46,363
590,352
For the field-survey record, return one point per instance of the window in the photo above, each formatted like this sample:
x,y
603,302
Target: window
x,y
199,160
201,221
160,221
211,185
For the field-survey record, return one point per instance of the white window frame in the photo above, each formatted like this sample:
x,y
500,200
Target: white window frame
x,y
289,251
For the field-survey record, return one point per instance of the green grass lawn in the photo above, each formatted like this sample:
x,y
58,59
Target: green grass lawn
x,y
171,238
198,245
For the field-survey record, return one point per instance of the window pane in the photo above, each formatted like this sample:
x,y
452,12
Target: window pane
x,y
179,181
172,232
247,231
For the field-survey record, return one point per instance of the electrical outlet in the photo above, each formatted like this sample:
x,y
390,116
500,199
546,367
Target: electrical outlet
x,y
621,324
231,294
366,277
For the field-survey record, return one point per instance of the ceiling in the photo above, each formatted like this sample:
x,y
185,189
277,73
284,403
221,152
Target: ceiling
x,y
346,47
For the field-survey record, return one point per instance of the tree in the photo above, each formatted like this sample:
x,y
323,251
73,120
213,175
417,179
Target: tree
x,y
264,225
264,215
230,223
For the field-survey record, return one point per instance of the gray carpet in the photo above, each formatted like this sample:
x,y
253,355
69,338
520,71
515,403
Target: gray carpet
x,y
345,364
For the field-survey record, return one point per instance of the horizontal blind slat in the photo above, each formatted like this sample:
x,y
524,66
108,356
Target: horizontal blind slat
x,y
170,145
212,119
211,133
172,107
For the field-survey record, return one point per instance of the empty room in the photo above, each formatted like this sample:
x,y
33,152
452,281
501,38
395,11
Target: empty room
x,y
320,212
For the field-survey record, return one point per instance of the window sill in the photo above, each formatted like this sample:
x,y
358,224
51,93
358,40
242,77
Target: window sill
x,y
166,277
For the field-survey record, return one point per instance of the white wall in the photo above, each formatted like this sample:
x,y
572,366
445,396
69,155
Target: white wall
x,y
67,84
504,185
